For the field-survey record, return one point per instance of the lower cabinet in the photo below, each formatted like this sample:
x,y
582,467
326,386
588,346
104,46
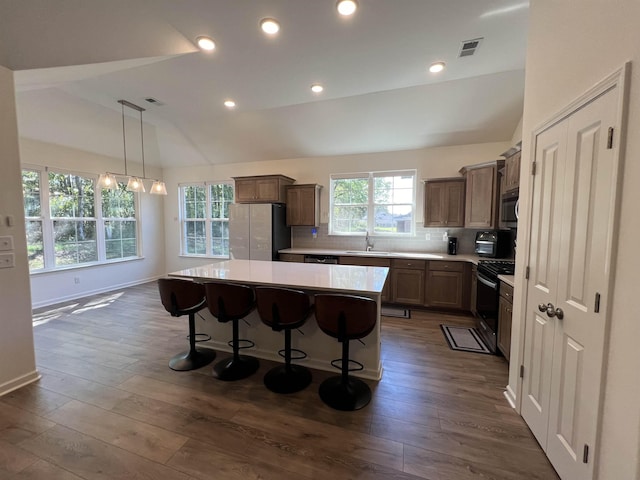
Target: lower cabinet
x,y
447,285
505,316
407,281
291,257
473,291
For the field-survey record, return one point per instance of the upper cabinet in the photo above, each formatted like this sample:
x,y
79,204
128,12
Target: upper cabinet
x,y
303,205
482,194
512,172
444,202
261,189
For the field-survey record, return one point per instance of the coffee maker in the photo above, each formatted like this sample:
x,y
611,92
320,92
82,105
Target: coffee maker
x,y
452,248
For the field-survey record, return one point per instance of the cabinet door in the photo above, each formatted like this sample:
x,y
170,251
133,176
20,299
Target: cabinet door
x,y
445,289
505,314
407,286
454,193
512,169
267,190
302,206
245,191
291,257
481,199
444,204
474,291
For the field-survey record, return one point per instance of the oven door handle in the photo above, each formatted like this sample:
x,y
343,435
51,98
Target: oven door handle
x,y
487,282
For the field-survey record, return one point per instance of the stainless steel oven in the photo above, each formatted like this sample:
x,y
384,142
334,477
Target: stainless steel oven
x,y
487,298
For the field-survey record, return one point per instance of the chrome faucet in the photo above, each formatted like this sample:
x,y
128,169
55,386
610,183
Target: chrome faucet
x,y
369,244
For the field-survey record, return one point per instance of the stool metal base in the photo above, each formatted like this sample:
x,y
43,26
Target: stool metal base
x,y
349,396
192,360
235,368
281,380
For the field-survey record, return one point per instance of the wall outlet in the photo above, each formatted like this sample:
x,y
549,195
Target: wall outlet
x,y
7,260
427,236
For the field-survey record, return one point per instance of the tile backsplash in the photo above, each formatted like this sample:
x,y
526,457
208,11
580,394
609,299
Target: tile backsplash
x,y
302,237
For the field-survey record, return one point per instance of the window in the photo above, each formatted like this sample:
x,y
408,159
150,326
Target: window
x,y
68,223
205,218
381,203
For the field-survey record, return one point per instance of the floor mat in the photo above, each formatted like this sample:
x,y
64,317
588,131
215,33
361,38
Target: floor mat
x,y
395,312
465,339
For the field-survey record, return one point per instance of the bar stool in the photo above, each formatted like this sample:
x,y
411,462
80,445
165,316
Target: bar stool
x,y
184,297
231,302
345,317
285,309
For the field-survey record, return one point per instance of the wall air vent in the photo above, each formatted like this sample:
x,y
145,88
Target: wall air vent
x,y
469,47
154,101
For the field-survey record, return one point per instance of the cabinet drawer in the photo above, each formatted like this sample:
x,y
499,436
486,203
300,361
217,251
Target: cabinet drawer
x,y
412,264
445,266
365,262
506,291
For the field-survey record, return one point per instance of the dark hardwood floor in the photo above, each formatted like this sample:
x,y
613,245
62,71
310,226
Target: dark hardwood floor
x,y
109,407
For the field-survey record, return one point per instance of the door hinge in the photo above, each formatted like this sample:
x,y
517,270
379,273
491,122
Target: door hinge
x,y
585,454
596,307
526,273
610,139
533,168
521,371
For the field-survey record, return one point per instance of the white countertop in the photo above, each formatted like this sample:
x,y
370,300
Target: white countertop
x,y
508,279
305,276
361,253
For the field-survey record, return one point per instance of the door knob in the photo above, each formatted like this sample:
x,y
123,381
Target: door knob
x,y
557,312
542,307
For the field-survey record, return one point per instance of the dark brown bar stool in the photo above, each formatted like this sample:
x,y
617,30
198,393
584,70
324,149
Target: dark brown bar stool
x,y
231,302
283,309
184,297
345,317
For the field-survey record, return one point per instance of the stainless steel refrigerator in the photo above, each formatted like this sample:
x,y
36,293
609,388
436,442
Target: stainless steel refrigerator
x,y
257,231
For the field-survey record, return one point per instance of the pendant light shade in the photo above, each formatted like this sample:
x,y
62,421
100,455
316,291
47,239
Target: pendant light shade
x,y
108,181
158,188
135,185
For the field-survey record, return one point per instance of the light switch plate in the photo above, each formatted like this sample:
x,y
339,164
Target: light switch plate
x,y
7,260
6,243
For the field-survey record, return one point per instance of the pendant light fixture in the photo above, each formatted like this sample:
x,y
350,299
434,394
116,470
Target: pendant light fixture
x,y
134,184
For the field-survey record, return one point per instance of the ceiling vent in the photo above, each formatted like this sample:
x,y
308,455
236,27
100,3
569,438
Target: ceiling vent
x,y
469,47
154,101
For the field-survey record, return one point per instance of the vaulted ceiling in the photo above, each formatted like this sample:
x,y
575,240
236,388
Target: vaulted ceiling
x,y
75,58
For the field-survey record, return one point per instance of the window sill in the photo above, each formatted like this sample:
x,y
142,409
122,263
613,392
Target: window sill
x,y
85,265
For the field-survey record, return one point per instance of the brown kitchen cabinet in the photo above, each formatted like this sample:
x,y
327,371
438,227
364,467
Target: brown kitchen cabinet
x,y
473,291
447,285
505,318
291,257
482,195
303,205
512,172
261,189
407,281
372,262
444,202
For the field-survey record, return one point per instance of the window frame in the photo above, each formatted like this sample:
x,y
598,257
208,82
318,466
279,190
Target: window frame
x,y
208,218
371,202
48,234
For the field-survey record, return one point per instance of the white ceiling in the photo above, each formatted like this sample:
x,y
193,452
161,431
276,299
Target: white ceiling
x,y
75,58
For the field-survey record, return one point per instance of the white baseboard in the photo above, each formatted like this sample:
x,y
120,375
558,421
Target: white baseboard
x,y
87,293
19,382
510,396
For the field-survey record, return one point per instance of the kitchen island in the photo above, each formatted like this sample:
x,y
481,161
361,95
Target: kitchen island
x,y
310,278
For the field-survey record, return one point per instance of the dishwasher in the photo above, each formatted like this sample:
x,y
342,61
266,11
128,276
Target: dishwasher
x,y
327,259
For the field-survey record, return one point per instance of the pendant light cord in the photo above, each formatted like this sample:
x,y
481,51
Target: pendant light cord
x,y
124,140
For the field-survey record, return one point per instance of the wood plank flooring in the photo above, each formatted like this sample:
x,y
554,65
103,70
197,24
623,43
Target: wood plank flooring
x,y
109,407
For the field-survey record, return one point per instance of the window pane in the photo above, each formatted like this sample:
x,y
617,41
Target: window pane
x,y
350,190
393,219
74,242
219,238
71,196
350,219
31,191
195,239
120,239
35,245
118,203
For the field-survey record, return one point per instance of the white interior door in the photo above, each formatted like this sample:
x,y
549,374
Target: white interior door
x,y
544,254
573,215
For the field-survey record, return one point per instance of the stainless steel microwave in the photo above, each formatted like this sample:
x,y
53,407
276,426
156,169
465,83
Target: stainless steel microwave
x,y
509,209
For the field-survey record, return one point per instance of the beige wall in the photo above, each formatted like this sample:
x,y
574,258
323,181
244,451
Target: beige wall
x,y
17,361
572,46
429,163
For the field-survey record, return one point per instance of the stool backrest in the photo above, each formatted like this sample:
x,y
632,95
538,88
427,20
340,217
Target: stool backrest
x,y
282,307
229,301
181,297
345,317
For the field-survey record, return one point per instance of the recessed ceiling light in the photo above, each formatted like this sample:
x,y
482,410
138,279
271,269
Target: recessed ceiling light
x,y
269,26
205,43
347,7
317,88
229,103
436,67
